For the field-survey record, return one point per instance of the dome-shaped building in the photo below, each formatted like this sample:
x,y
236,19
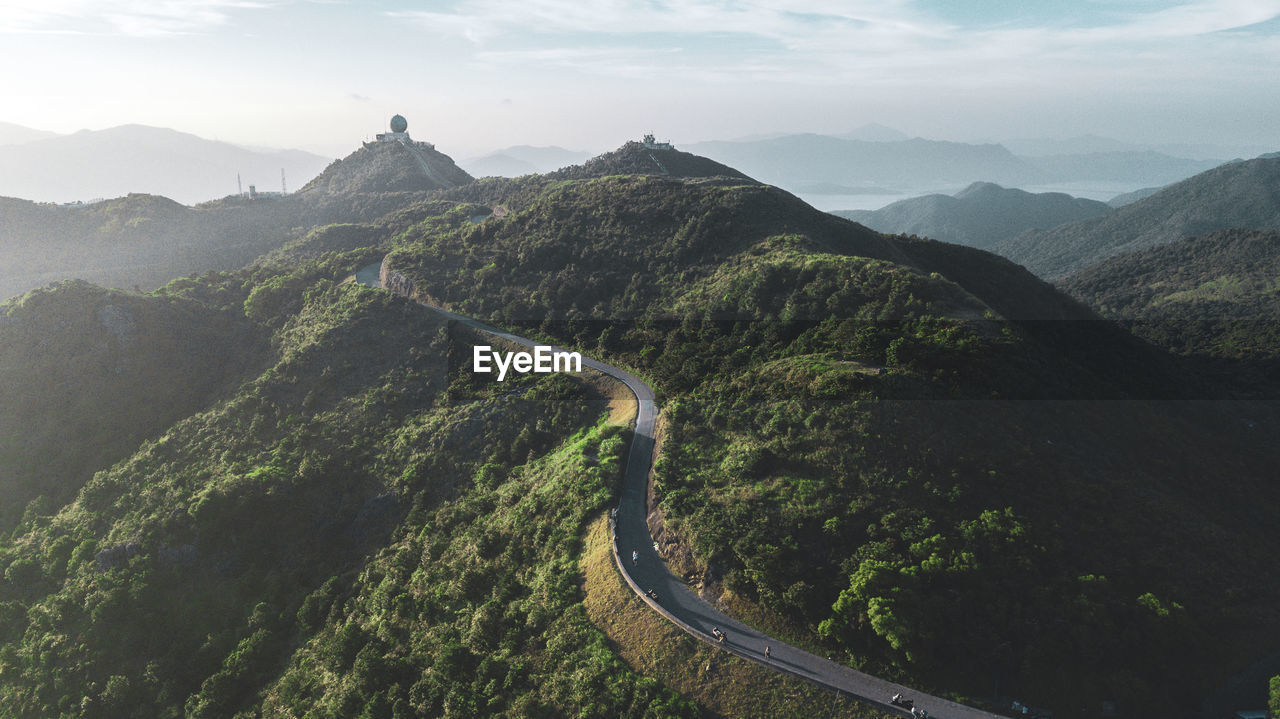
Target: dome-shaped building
x,y
399,131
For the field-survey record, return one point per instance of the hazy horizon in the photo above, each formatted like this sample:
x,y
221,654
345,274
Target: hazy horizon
x,y
476,75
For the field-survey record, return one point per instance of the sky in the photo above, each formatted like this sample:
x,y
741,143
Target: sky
x,y
477,75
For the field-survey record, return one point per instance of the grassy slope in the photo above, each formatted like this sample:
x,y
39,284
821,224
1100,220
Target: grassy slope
x,y
901,531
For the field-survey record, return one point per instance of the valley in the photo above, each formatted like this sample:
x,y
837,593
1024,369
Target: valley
x,y
902,457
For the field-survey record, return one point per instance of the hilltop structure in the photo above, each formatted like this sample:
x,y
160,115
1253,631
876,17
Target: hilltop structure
x,y
399,132
652,144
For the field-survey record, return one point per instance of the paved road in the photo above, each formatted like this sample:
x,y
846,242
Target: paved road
x,y
676,601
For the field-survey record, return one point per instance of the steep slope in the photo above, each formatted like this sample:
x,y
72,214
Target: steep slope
x,y
388,167
244,559
138,240
824,463
633,158
1236,195
1215,295
124,368
847,456
979,215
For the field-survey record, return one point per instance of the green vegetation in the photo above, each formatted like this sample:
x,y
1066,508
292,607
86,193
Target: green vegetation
x,y
355,530
721,682
913,455
980,215
1234,195
836,454
1212,296
1274,704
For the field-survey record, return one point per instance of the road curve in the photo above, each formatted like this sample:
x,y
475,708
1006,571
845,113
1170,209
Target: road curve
x,y
675,600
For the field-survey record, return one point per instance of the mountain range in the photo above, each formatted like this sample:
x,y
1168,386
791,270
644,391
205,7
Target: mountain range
x,y
117,161
1243,194
1214,295
980,215
144,241
523,160
798,162
333,516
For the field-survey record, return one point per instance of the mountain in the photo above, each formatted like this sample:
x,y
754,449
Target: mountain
x,y
349,521
1126,198
135,158
635,158
1094,144
1216,295
11,134
800,159
1145,167
1080,145
499,165
979,216
874,132
523,160
145,241
1239,194
380,167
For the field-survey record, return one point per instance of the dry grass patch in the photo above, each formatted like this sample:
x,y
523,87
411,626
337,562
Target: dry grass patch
x,y
723,684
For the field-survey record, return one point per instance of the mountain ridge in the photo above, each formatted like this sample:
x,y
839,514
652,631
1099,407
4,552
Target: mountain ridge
x,y
1244,194
980,215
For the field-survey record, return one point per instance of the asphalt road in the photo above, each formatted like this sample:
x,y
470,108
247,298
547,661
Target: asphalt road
x,y
676,601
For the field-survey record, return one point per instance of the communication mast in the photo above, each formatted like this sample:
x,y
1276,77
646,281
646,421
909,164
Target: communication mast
x,y
283,191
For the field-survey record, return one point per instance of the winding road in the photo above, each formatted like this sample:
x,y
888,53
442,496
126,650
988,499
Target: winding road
x,y
675,600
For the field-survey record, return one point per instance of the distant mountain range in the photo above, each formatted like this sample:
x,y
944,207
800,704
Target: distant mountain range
x,y
11,134
523,160
879,157
796,160
1236,195
135,158
1092,144
980,215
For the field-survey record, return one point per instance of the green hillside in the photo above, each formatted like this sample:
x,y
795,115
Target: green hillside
x,y
916,457
144,241
1235,195
1216,295
979,215
878,511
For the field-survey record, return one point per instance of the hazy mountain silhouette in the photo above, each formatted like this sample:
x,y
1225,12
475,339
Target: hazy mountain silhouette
x,y
979,215
140,159
523,160
11,134
796,160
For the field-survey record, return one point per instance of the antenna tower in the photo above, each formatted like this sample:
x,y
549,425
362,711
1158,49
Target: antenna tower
x,y
283,191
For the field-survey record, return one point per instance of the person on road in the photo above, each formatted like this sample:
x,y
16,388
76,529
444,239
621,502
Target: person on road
x,y
766,651
635,557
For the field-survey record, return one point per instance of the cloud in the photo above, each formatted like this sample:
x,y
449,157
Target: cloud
x,y
839,41
134,18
